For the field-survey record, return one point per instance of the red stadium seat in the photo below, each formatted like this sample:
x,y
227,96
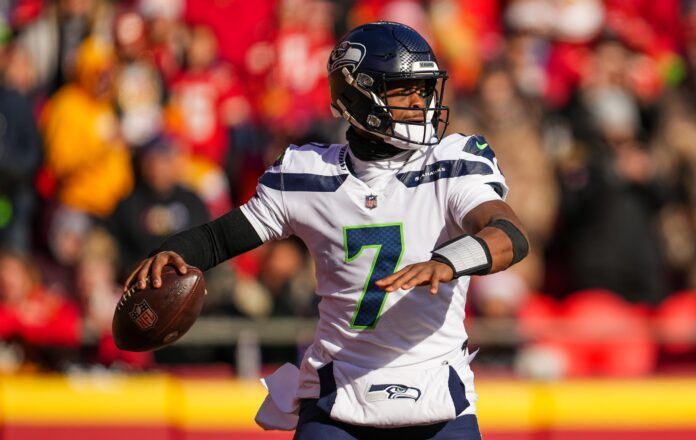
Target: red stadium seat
x,y
596,331
611,336
676,321
537,315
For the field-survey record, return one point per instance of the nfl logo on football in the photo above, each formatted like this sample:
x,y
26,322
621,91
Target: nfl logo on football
x,y
371,201
143,315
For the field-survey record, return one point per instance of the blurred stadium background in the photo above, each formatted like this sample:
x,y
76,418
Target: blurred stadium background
x,y
124,122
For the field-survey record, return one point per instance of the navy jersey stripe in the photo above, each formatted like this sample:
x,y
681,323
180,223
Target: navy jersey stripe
x,y
443,170
302,182
498,188
479,146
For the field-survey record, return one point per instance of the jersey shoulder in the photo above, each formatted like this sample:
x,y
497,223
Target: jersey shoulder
x,y
461,146
312,167
312,158
467,155
459,159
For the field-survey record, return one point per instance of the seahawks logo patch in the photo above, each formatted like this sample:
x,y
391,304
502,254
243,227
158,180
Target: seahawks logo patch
x,y
346,54
391,391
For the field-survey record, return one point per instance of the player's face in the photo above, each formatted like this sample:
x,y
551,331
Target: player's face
x,y
406,95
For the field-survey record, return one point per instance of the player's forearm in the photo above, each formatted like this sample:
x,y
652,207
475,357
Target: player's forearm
x,y
498,226
500,246
210,244
495,242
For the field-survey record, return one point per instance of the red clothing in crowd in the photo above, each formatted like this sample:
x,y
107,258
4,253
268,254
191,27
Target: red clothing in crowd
x,y
198,100
646,25
298,92
109,354
42,319
235,34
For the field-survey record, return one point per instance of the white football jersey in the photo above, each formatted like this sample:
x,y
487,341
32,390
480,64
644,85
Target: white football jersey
x,y
358,235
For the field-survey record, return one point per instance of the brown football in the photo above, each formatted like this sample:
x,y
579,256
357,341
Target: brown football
x,y
151,318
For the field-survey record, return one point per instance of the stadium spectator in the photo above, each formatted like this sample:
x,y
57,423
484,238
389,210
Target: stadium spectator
x,y
467,33
499,111
609,210
246,45
46,326
52,38
139,93
98,293
611,193
18,70
166,34
283,276
297,89
84,151
66,233
206,106
20,157
412,13
158,206
275,281
205,99
675,147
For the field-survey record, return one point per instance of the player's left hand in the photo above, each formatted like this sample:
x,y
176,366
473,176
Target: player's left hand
x,y
420,274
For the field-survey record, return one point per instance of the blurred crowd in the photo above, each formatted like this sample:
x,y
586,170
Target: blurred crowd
x,y
124,122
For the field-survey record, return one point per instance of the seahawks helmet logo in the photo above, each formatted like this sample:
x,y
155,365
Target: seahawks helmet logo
x,y
346,54
392,391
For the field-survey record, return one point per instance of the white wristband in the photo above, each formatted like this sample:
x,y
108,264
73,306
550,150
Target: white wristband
x,y
465,255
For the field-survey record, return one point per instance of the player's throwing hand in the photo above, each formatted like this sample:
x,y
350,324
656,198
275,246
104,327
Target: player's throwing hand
x,y
420,274
153,267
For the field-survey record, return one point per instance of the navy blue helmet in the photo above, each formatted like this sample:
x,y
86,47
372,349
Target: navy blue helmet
x,y
361,68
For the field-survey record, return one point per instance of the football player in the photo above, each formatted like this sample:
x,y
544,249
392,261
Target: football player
x,y
397,220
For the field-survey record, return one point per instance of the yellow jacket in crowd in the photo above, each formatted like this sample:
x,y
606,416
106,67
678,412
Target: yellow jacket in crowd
x,y
83,148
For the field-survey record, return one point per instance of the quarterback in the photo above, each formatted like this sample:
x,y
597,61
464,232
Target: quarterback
x,y
396,221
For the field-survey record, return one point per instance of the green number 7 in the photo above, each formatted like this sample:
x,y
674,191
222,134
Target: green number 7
x,y
388,241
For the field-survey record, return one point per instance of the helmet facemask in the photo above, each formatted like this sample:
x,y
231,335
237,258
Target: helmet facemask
x,y
377,117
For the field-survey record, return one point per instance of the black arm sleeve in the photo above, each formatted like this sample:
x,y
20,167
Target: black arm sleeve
x,y
212,243
520,245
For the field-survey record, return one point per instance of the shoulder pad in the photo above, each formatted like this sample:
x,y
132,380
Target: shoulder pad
x,y
477,144
316,147
314,158
454,145
472,148
306,168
